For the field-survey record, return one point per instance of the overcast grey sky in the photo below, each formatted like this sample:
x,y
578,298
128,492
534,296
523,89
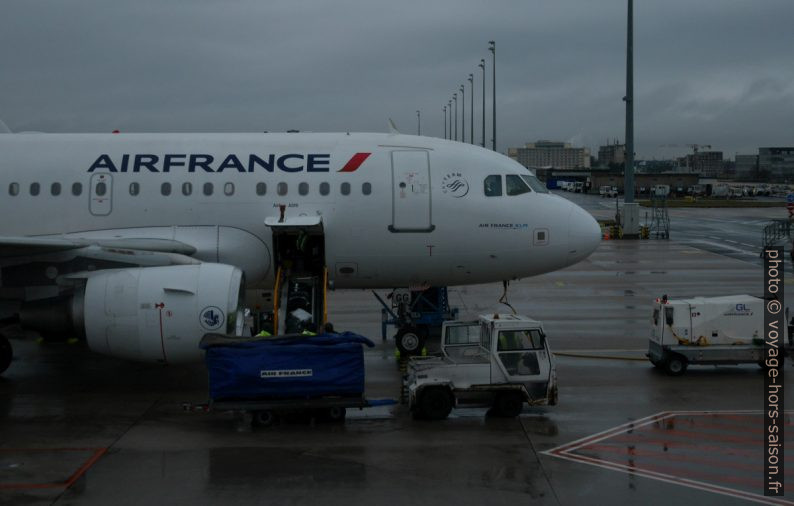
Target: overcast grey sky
x,y
717,72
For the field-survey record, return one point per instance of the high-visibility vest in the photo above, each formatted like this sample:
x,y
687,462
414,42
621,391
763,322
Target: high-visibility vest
x,y
264,333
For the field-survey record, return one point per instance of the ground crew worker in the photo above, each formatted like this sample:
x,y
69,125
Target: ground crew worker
x,y
264,333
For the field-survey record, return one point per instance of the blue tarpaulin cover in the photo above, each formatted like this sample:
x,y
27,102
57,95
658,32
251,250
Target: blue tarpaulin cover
x,y
283,368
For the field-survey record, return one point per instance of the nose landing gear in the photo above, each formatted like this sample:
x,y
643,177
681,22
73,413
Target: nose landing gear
x,y
417,314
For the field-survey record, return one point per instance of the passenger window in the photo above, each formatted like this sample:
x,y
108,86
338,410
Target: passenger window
x,y
13,189
261,189
535,183
55,189
515,185
366,188
187,189
34,188
303,188
281,189
325,189
228,189
345,189
493,186
165,189
77,189
208,189
135,189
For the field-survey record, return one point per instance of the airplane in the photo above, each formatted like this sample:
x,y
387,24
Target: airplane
x,y
140,243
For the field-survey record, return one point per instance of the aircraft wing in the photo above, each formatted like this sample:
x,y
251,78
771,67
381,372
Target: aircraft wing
x,y
28,246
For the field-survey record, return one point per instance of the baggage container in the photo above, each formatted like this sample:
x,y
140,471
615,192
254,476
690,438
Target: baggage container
x,y
288,367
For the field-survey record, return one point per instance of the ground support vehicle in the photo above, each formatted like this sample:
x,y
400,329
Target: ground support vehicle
x,y
501,361
265,378
417,314
712,331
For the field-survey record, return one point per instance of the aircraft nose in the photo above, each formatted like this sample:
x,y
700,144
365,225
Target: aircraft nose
x,y
584,234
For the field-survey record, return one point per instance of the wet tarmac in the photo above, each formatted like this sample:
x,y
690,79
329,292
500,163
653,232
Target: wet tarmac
x,y
78,428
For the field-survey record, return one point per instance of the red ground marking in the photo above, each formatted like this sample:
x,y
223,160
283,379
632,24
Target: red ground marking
x,y
724,427
730,451
96,454
688,425
676,457
674,479
695,435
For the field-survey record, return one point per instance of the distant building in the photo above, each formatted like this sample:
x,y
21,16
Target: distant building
x,y
703,163
559,155
776,164
747,167
611,154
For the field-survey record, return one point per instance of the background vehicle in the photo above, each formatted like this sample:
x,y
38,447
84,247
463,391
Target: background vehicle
x,y
716,330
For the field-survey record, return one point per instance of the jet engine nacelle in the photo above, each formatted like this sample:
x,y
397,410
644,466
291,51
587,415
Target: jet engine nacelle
x,y
159,314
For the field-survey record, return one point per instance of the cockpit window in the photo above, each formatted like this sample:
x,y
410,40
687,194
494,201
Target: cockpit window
x,y
515,185
493,186
535,183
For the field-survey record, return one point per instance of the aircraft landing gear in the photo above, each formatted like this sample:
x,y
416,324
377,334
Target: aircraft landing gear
x,y
418,315
6,353
410,341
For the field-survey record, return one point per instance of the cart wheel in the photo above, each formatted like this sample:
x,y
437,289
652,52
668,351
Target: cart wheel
x,y
335,414
508,405
264,418
675,365
435,403
6,353
409,341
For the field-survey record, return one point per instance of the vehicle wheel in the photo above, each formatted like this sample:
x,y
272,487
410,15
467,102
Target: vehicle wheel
x,y
508,405
6,354
675,366
335,414
409,341
435,404
264,418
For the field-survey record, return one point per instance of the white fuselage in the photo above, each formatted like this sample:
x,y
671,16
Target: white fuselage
x,y
416,212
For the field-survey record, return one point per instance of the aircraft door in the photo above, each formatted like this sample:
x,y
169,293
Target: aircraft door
x,y
100,203
411,192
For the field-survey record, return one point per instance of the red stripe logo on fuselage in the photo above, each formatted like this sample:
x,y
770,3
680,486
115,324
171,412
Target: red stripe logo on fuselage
x,y
355,162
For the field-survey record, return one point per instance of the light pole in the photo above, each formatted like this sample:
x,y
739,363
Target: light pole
x,y
471,120
463,113
449,108
418,123
628,176
445,122
455,98
482,66
492,49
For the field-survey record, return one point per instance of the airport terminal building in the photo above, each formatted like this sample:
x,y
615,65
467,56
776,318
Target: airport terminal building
x,y
559,155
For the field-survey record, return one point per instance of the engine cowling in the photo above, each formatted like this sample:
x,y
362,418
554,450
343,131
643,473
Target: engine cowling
x,y
159,314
